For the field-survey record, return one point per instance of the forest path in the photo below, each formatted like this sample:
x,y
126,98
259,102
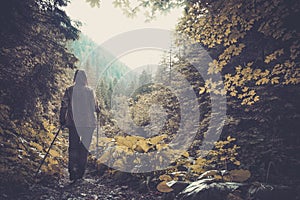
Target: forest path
x,y
92,187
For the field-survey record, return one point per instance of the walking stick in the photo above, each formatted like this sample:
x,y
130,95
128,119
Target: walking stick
x,y
36,173
97,139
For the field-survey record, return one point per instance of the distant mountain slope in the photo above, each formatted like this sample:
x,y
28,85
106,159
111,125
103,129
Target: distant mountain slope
x,y
96,61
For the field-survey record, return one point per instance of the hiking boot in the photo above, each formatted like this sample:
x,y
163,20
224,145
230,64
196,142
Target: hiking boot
x,y
74,174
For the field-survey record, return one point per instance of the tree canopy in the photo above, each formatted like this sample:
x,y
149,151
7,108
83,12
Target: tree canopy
x,y
33,53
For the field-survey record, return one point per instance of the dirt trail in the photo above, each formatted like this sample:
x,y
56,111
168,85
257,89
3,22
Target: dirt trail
x,y
91,188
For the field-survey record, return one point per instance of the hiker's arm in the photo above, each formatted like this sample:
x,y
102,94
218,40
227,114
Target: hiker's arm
x,y
97,108
96,103
63,109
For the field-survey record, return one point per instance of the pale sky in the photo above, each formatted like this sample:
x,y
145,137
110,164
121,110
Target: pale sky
x,y
101,24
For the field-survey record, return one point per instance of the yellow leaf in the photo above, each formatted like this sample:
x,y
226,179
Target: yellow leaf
x,y
238,163
233,93
197,168
142,146
249,64
275,80
36,145
245,89
138,149
223,158
133,139
165,177
54,153
122,141
218,177
200,161
238,69
273,56
210,70
265,80
161,146
121,149
266,73
155,140
202,90
227,31
256,73
185,154
52,161
163,187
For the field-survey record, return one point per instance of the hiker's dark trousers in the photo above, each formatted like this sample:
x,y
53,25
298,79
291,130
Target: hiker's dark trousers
x,y
78,150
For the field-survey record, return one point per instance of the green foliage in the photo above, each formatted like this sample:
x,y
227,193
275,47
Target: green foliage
x,y
126,149
224,154
123,151
150,8
258,41
23,147
166,104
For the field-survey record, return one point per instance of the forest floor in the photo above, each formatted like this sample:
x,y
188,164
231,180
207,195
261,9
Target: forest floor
x,y
92,187
115,185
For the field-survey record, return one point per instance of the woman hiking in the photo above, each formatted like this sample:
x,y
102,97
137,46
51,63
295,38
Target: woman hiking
x,y
77,113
